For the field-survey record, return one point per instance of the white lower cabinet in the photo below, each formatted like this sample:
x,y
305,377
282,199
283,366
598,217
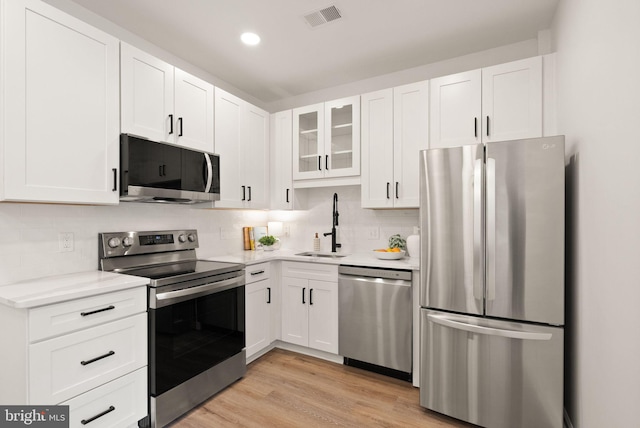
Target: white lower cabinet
x,y
310,305
259,303
89,353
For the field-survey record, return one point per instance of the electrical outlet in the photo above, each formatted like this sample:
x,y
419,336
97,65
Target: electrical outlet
x,y
227,233
286,231
65,241
373,232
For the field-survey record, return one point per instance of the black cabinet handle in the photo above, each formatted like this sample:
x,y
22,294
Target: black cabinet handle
x,y
319,163
99,415
244,197
287,195
326,162
115,179
269,294
475,127
387,190
311,296
170,124
180,123
303,290
397,190
258,272
93,360
108,308
487,126
249,187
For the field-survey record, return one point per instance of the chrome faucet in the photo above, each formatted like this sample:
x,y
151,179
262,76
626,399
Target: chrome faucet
x,y
334,244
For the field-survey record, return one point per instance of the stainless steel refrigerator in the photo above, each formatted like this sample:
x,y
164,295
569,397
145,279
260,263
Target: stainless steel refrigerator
x,y
492,282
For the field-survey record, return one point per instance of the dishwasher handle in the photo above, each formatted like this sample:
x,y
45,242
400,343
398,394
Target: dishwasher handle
x,y
363,279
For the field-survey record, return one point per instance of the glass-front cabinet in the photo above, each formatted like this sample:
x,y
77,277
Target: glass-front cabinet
x,y
326,139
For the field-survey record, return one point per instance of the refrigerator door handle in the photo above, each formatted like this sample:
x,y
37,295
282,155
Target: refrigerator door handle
x,y
491,228
510,334
478,250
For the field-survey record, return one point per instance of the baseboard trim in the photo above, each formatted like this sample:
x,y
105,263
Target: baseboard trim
x,y
567,420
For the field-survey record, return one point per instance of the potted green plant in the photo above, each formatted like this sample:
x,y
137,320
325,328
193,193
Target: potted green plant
x,y
269,242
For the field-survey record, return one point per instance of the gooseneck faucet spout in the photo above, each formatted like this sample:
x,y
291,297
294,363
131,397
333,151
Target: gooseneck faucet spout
x,y
334,223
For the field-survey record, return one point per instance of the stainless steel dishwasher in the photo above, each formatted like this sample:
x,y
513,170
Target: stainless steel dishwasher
x,y
375,319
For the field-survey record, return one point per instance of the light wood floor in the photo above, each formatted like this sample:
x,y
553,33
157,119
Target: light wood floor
x,y
287,389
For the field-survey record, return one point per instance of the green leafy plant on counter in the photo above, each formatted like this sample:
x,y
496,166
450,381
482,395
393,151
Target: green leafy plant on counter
x,y
397,241
267,240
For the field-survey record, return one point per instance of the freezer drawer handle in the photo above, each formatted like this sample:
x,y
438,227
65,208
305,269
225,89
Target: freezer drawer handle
x,y
511,334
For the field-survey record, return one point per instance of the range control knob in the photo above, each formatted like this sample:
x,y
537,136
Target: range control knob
x,y
114,242
192,237
182,238
127,241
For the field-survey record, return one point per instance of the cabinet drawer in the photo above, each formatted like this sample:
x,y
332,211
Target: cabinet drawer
x,y
257,272
74,315
69,365
318,271
127,396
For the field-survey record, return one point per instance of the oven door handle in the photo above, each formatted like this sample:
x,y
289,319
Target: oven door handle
x,y
171,297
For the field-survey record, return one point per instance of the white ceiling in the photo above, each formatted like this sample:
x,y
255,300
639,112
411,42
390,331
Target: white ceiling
x,y
374,37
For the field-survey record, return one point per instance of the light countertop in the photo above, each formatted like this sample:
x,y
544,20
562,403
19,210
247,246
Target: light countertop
x,y
59,288
355,259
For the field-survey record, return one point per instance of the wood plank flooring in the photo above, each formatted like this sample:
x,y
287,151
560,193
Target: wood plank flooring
x,y
287,389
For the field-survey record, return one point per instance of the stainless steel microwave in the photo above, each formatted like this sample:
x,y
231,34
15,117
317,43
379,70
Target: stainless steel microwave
x,y
159,172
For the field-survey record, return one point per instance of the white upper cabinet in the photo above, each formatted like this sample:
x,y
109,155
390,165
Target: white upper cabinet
x,y
241,134
512,100
326,140
163,103
395,127
60,83
498,103
281,161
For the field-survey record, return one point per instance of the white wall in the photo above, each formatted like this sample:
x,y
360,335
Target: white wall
x,y
598,65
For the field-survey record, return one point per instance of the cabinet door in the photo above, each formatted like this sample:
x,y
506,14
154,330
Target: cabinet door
x,y
377,149
295,311
193,121
61,99
323,316
146,95
308,142
455,115
281,161
410,135
227,135
258,316
512,100
255,149
342,137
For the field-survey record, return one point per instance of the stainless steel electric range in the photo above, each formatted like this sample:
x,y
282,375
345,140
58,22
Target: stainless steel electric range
x,y
196,317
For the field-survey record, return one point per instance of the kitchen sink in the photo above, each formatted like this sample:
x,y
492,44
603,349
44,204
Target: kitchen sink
x,y
317,254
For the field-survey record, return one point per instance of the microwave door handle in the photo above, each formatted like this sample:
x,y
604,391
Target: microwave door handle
x,y
207,187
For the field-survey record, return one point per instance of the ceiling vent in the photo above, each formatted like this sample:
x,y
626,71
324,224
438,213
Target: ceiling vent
x,y
322,16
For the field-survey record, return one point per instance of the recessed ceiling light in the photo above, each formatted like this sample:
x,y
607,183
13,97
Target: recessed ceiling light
x,y
250,39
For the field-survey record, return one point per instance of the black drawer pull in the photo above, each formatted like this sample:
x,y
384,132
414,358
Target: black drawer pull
x,y
93,360
475,127
170,124
249,187
269,298
311,296
397,190
387,190
319,163
287,195
108,308
180,123
99,415
258,272
244,193
303,290
487,126
326,162
115,179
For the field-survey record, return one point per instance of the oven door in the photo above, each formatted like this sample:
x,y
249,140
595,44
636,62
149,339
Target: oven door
x,y
192,329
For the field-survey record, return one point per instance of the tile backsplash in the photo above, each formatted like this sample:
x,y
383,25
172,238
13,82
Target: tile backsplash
x,y
29,246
